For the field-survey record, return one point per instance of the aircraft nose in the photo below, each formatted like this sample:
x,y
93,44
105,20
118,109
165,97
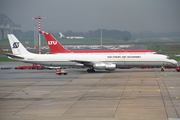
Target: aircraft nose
x,y
175,62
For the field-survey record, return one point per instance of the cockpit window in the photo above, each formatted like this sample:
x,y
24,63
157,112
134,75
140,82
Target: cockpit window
x,y
168,57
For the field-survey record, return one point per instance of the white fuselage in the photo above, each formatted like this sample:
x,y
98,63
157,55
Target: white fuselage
x,y
120,59
74,37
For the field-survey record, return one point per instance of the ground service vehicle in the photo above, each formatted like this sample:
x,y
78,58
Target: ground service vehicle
x,y
59,71
178,69
124,67
30,67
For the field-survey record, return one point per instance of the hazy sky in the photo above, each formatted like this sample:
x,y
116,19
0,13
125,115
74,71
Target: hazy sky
x,y
84,15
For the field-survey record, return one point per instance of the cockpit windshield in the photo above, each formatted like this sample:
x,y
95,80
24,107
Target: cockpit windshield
x,y
169,58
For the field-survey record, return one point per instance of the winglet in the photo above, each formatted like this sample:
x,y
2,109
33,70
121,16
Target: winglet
x,y
54,45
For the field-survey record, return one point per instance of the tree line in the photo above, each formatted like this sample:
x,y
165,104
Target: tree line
x,y
113,34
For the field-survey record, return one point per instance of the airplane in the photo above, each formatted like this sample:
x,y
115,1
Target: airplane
x,y
71,37
56,47
99,61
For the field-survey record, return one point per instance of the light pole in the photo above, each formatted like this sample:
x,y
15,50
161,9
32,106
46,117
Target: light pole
x,y
101,35
39,32
35,28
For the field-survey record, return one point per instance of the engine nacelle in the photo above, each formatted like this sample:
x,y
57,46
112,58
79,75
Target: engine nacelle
x,y
104,66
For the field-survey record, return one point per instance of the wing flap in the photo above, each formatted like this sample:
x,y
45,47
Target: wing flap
x,y
86,63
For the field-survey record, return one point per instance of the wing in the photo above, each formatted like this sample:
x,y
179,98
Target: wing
x,y
100,65
85,63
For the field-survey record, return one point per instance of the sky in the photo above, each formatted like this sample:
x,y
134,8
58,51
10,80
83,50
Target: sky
x,y
85,15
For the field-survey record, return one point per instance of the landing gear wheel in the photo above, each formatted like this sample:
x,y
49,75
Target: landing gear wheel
x,y
162,69
90,70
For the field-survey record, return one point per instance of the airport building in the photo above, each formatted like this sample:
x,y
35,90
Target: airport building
x,y
7,26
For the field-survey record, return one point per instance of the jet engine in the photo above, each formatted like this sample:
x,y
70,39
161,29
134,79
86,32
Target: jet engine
x,y
104,66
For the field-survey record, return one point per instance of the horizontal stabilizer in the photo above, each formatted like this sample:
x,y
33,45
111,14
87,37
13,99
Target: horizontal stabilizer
x,y
13,56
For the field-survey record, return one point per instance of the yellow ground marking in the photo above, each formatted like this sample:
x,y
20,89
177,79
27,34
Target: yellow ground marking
x,y
94,98
171,87
123,90
68,91
84,91
94,90
15,82
91,98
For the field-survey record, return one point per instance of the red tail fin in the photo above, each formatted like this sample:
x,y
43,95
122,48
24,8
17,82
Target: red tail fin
x,y
53,44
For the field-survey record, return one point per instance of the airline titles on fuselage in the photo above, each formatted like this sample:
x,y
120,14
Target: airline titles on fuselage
x,y
123,56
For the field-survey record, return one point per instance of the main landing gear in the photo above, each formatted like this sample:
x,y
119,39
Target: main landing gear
x,y
162,69
90,70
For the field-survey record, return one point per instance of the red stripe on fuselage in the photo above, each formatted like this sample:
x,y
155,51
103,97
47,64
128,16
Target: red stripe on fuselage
x,y
106,51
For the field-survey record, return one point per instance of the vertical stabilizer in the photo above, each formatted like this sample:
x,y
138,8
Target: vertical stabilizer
x,y
16,46
54,45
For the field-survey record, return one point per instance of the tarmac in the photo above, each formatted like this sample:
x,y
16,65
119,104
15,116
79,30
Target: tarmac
x,y
123,94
